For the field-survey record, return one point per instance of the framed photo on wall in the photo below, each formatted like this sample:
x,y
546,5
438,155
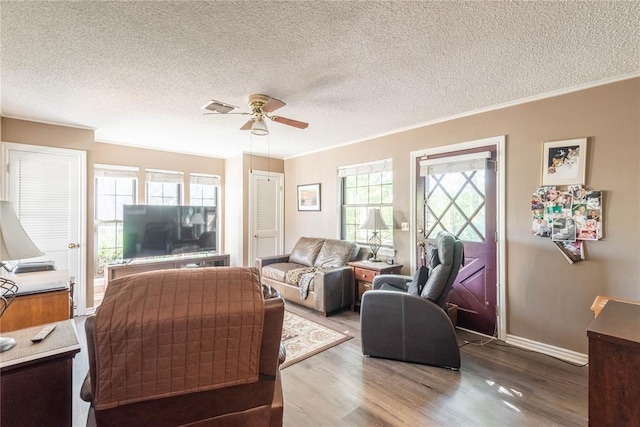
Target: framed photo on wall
x,y
309,197
564,162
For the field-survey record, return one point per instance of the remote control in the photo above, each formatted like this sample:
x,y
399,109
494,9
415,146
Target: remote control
x,y
43,333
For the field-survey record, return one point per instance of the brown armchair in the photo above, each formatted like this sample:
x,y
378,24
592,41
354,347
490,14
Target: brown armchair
x,y
177,347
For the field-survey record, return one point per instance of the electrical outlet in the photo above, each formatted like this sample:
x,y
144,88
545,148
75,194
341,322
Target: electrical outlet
x,y
405,226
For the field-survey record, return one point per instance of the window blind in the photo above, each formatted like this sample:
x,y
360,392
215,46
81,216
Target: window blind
x,y
109,171
465,162
362,168
167,177
43,198
204,179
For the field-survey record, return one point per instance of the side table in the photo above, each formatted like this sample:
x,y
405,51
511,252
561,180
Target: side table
x,y
43,297
363,274
36,379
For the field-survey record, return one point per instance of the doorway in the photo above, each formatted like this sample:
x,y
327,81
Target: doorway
x,y
47,189
459,189
266,217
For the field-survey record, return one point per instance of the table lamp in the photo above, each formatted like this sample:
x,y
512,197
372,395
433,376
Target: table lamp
x,y
374,222
197,220
14,245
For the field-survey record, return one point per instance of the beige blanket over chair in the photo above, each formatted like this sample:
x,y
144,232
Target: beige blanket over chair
x,y
170,332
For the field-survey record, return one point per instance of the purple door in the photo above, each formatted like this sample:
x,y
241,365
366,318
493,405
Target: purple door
x,y
458,192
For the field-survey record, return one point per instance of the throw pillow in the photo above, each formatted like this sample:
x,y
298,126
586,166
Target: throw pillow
x,y
419,280
436,282
334,253
306,251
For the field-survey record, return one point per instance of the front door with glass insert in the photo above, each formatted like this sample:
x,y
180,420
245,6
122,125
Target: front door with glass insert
x,y
458,191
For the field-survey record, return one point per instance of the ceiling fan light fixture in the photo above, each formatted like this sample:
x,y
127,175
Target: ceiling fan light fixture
x,y
259,128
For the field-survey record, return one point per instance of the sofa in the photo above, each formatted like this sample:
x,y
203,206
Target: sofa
x,y
315,274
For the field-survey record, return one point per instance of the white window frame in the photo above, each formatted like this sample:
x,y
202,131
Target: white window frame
x,y
164,177
384,165
109,171
204,180
212,180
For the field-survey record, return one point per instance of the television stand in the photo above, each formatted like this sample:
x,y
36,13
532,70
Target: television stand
x,y
114,271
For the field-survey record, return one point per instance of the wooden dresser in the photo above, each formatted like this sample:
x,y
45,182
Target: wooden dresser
x,y
614,366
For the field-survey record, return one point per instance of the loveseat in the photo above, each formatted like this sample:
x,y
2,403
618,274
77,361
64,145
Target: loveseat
x,y
315,274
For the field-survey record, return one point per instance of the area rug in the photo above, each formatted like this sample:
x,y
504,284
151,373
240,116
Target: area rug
x,y
303,338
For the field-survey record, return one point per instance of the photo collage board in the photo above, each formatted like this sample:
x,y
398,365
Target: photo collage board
x,y
569,217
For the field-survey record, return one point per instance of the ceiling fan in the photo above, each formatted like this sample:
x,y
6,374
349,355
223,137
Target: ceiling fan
x,y
261,106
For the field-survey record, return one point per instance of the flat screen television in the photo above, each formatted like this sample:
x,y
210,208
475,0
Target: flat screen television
x,y
154,230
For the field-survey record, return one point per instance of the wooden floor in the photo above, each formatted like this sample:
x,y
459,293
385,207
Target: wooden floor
x,y
497,385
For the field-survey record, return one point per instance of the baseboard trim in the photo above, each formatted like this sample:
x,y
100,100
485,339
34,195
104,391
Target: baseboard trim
x,y
550,350
489,337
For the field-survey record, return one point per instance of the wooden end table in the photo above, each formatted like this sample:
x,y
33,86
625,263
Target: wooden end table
x,y
363,274
43,297
36,379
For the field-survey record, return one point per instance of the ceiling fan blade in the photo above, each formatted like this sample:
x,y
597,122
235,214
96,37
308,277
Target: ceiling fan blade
x,y
247,126
206,113
290,122
272,105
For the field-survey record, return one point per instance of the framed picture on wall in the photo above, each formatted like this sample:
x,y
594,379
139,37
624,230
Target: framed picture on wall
x,y
564,162
309,197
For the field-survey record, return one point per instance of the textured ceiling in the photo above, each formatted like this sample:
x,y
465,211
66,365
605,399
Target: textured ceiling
x,y
138,72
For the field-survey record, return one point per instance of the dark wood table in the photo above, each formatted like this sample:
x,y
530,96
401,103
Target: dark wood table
x,y
614,366
363,274
36,379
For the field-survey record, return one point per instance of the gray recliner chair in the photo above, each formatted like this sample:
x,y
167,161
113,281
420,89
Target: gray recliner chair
x,y
404,318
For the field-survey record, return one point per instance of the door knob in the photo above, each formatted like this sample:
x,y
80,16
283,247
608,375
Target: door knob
x,y
255,235
73,245
420,244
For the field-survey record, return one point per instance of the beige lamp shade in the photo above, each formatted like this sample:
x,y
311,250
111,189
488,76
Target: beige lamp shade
x,y
14,242
197,219
374,221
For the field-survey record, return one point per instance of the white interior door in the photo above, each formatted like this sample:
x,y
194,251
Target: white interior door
x,y
265,212
47,190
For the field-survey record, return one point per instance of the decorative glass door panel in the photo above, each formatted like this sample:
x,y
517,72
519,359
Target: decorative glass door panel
x,y
456,202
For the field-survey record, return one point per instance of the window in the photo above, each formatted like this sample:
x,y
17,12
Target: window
x,y
455,195
164,187
203,190
363,187
114,187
